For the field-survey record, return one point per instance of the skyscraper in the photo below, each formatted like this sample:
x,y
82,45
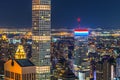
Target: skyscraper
x,y
81,50
41,35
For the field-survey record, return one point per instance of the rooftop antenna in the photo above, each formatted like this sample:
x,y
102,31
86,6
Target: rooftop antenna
x,y
78,20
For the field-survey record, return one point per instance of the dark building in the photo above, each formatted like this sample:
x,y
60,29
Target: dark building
x,y
99,70
69,75
2,69
105,68
118,67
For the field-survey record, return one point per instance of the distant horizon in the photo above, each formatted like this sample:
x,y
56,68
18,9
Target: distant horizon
x,y
103,13
26,27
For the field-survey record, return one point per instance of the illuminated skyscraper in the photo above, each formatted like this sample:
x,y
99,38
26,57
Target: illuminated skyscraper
x,y
41,29
81,50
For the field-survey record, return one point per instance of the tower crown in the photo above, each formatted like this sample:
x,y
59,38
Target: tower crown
x,y
20,53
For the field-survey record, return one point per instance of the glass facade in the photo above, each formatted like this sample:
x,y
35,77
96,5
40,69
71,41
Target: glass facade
x,y
41,35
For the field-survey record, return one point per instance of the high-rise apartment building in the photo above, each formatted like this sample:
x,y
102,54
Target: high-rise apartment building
x,y
41,35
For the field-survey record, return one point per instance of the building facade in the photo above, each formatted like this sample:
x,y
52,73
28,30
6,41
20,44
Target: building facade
x,y
99,70
41,36
118,67
19,69
81,50
105,69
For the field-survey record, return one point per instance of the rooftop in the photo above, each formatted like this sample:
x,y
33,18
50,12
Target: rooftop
x,y
24,62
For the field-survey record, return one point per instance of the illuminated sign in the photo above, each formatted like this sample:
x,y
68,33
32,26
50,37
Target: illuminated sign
x,y
81,32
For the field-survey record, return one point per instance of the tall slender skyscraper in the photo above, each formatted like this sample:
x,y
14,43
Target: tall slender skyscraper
x,y
41,28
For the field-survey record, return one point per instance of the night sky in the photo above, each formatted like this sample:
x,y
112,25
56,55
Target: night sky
x,y
93,13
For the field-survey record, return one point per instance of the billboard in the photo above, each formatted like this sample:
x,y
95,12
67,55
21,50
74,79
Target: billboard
x,y
81,32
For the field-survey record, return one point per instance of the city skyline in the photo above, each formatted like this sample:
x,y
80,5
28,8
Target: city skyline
x,y
59,40
92,13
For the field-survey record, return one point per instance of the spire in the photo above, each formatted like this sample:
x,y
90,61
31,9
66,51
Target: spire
x,y
20,53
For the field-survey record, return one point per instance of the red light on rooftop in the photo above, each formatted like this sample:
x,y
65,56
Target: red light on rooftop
x,y
78,19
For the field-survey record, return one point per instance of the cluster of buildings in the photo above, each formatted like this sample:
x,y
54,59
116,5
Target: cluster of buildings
x,y
85,57
15,60
62,54
42,53
104,53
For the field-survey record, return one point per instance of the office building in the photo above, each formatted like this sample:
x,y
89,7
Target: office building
x,y
19,69
81,50
41,36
